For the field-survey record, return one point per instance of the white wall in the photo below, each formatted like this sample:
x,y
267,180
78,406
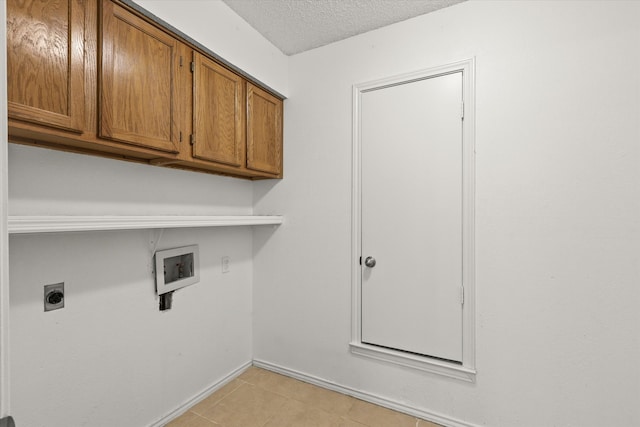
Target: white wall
x,y
219,28
558,214
110,357
111,347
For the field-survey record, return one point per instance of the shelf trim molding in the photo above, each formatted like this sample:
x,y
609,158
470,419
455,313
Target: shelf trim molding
x,y
26,224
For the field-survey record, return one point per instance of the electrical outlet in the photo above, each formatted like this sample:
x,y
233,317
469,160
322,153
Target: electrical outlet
x,y
226,264
54,296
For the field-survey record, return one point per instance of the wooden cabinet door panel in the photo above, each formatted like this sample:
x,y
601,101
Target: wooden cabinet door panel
x,y
45,62
264,131
217,113
138,97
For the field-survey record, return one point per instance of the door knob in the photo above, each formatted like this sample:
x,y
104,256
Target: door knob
x,y
370,261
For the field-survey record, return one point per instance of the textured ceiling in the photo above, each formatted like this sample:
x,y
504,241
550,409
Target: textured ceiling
x,y
295,26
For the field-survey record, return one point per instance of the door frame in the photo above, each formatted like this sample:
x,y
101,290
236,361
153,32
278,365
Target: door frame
x,y
467,370
4,232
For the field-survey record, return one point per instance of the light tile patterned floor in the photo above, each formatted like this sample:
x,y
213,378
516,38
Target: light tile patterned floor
x,y
260,398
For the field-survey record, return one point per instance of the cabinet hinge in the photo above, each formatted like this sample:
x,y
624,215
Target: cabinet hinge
x,y
462,295
360,260
181,61
192,139
462,111
193,66
180,136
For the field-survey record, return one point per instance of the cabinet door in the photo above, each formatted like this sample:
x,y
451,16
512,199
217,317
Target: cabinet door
x,y
264,131
218,96
45,62
137,93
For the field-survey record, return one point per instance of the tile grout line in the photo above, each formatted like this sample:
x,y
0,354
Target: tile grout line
x,y
204,418
293,399
273,416
217,402
307,404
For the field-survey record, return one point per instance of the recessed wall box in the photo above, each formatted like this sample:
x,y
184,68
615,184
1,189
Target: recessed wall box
x,y
177,268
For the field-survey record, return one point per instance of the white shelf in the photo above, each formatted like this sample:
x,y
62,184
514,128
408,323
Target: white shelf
x,y
58,224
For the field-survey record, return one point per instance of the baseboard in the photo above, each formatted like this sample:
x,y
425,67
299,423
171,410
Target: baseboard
x,y
200,396
368,397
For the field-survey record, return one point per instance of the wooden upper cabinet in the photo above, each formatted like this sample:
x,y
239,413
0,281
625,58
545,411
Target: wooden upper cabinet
x,y
264,131
138,65
218,113
45,62
103,77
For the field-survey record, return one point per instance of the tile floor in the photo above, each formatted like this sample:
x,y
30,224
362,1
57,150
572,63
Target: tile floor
x,y
260,398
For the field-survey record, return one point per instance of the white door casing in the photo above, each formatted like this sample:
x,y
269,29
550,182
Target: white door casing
x,y
413,205
4,234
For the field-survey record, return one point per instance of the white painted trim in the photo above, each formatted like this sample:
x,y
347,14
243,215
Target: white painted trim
x,y
5,388
434,366
432,416
58,224
467,371
200,396
469,214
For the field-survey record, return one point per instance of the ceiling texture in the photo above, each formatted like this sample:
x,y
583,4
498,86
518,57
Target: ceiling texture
x,y
295,26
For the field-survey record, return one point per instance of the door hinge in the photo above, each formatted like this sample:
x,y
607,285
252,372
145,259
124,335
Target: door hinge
x,y
192,139
462,295
193,66
462,111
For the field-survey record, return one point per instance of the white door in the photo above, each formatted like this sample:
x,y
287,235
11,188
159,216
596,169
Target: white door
x,y
411,207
